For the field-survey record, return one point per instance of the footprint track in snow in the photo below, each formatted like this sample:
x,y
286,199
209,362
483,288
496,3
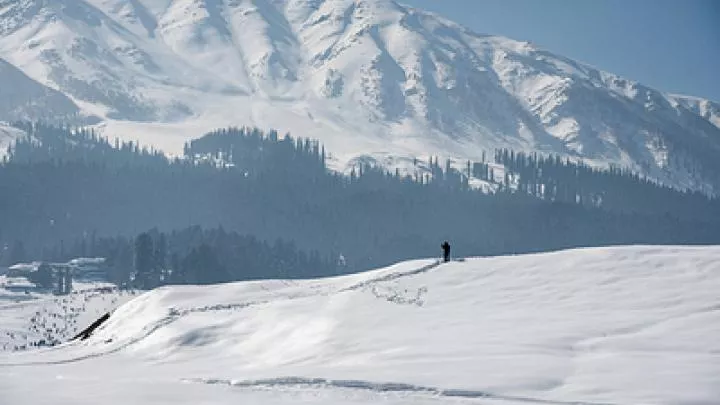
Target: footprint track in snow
x,y
380,388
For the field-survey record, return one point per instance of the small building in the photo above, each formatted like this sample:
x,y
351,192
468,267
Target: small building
x,y
23,269
89,268
18,285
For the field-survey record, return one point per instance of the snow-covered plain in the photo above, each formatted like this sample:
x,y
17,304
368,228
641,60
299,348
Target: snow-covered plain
x,y
631,325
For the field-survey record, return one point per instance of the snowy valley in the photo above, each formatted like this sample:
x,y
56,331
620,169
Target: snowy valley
x,y
589,326
374,80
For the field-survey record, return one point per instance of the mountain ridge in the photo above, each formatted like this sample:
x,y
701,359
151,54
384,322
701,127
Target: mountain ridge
x,y
372,79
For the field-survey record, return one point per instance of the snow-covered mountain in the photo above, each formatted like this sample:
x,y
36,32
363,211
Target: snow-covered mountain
x,y
631,325
22,98
8,135
369,78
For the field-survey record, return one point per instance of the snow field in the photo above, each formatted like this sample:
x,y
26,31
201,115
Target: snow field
x,y
624,325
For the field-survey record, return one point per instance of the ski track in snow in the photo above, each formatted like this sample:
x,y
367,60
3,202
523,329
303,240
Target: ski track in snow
x,y
299,383
391,277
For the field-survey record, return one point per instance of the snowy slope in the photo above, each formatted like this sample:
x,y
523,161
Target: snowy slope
x,y
367,77
591,326
21,98
8,135
705,108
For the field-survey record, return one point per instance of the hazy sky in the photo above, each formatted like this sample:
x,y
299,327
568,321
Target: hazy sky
x,y
672,45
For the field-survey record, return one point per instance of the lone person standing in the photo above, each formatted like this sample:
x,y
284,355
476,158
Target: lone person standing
x,y
446,251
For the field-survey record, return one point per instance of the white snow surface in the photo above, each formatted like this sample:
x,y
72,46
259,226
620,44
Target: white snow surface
x,y
629,325
31,317
369,78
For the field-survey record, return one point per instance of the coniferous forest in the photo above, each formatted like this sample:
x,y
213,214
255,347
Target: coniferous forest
x,y
247,204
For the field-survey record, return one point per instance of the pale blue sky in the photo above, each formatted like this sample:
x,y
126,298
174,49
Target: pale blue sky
x,y
672,45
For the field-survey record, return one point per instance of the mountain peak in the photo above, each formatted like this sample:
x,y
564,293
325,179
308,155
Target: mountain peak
x,y
370,78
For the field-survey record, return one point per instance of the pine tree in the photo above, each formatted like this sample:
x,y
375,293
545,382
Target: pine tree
x,y
160,253
16,254
144,259
43,277
67,287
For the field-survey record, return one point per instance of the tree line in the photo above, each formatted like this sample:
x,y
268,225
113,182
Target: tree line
x,y
63,187
196,256
614,189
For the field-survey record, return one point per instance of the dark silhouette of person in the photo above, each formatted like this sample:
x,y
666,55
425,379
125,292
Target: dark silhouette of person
x,y
446,251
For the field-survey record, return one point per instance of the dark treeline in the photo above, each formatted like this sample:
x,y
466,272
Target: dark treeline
x,y
277,187
615,189
47,143
194,256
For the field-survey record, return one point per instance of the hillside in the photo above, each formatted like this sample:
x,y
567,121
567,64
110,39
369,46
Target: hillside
x,y
21,98
8,136
590,326
372,79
